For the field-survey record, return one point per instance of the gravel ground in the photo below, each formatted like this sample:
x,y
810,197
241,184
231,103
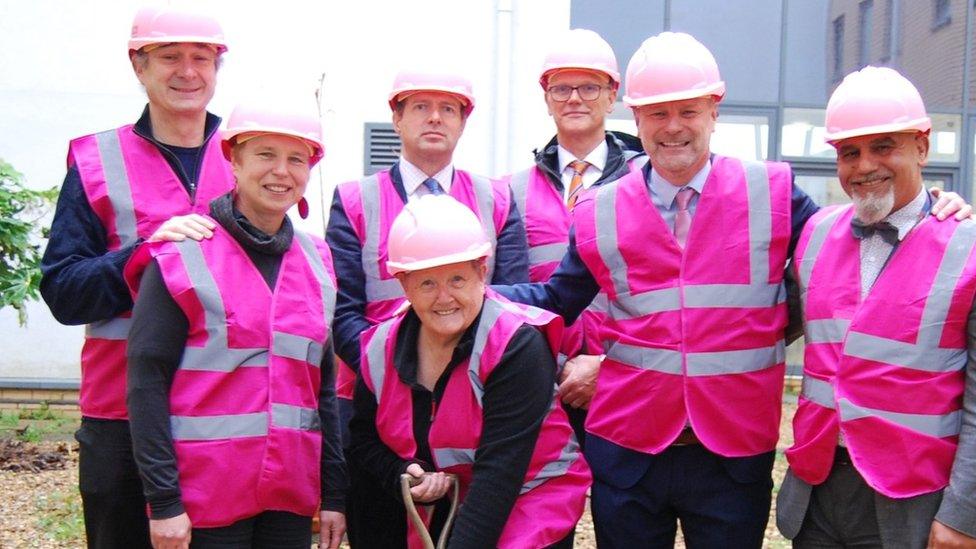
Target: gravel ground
x,y
43,509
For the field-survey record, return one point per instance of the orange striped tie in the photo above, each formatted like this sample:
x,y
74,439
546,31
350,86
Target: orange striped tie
x,y
576,184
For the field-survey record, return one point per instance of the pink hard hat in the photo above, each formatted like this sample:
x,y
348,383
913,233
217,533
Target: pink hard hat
x,y
165,25
580,49
259,120
672,66
434,230
875,100
411,81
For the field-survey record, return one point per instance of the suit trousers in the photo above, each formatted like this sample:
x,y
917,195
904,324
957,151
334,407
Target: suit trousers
x,y
111,491
720,502
844,511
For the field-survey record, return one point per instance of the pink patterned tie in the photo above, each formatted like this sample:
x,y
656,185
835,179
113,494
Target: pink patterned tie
x,y
682,219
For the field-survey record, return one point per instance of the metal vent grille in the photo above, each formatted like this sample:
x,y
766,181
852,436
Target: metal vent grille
x,y
382,147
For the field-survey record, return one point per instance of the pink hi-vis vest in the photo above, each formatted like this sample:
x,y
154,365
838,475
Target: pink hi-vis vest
x,y
547,222
889,371
694,336
554,490
133,190
372,203
244,402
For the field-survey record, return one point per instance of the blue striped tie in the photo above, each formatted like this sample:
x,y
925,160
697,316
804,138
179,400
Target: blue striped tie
x,y
433,186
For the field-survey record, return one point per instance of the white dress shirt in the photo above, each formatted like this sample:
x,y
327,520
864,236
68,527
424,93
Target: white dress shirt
x,y
413,178
597,159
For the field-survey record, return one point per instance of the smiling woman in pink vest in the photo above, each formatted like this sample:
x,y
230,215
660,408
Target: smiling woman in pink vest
x,y
463,382
230,389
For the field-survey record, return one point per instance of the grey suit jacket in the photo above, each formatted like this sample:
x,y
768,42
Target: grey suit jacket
x,y
902,523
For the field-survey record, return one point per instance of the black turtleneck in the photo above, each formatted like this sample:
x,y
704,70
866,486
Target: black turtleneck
x,y
156,342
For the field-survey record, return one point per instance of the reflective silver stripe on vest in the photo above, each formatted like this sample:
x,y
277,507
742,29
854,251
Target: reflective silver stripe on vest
x,y
215,356
557,467
827,330
735,362
219,427
607,241
758,293
490,312
954,260
295,417
542,253
297,348
547,253
116,329
667,361
322,276
377,288
817,391
376,355
760,222
924,356
519,183
600,303
735,295
450,457
935,425
486,204
117,186
814,245
664,361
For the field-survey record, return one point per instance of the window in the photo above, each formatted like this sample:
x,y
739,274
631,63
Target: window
x,y
941,14
803,134
866,11
838,72
945,140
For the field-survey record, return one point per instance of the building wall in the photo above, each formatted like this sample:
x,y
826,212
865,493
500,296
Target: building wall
x,y
66,73
932,57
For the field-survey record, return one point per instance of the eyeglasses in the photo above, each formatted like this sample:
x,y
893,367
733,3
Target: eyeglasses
x,y
587,92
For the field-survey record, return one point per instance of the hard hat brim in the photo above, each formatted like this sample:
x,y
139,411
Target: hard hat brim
x,y
923,125
394,267
716,90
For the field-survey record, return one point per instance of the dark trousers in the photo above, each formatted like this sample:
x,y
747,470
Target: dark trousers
x,y
374,518
841,512
577,418
268,530
721,502
844,511
111,492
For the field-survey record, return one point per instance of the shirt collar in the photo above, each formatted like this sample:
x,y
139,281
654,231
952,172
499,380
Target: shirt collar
x,y
413,176
597,157
909,215
666,191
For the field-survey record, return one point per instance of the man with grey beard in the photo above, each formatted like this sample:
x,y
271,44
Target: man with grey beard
x,y
885,432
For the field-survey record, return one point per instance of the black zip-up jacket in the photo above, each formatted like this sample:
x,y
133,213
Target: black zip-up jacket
x,y
81,280
621,147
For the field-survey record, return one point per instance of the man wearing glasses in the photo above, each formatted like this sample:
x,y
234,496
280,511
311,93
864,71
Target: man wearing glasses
x,y
580,79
